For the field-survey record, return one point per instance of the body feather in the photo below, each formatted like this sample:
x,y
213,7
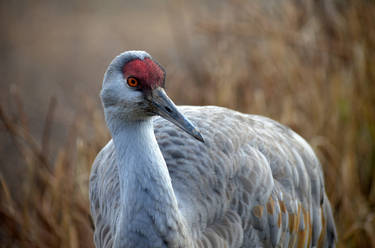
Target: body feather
x,y
253,183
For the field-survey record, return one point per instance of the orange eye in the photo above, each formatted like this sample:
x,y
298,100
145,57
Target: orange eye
x,y
132,82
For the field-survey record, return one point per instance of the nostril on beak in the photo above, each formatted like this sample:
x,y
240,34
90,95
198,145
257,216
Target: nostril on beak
x,y
168,109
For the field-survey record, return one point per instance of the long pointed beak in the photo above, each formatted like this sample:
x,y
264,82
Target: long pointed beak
x,y
163,106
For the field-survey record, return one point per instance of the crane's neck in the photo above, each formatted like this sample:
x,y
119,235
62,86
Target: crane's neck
x,y
149,215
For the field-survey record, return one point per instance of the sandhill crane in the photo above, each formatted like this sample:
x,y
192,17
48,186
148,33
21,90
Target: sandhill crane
x,y
238,181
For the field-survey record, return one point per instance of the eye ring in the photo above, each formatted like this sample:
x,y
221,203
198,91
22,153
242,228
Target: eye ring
x,y
132,81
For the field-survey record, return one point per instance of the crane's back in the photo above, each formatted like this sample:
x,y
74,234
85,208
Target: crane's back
x,y
254,182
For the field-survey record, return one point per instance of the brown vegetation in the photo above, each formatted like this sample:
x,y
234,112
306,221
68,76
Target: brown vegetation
x,y
307,64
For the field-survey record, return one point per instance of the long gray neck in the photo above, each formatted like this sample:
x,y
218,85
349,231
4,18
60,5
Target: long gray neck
x,y
149,215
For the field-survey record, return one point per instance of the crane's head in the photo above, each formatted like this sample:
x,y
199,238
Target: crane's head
x,y
133,90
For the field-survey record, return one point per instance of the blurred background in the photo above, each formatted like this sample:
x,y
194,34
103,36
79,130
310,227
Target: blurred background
x,y
306,63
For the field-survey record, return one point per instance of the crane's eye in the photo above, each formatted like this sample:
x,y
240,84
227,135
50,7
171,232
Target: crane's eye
x,y
132,82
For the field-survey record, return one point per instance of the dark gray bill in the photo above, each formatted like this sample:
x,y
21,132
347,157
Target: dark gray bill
x,y
163,106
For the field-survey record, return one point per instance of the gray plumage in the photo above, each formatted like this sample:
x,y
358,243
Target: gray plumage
x,y
252,183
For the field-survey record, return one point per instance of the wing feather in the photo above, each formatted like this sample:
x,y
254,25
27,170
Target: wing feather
x,y
254,182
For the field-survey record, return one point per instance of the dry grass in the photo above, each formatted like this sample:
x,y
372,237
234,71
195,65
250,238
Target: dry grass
x,y
54,211
309,65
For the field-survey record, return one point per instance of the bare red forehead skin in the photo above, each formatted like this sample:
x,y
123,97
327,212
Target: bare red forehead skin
x,y
149,74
